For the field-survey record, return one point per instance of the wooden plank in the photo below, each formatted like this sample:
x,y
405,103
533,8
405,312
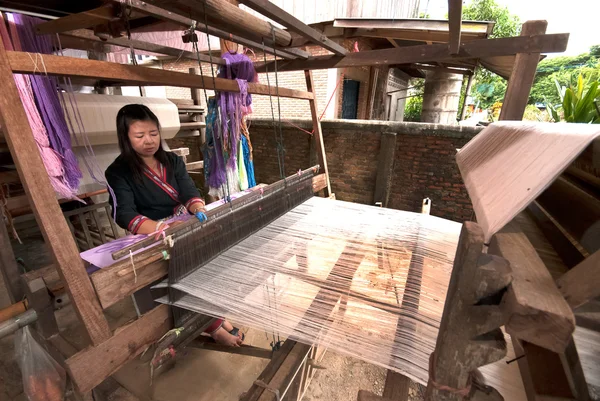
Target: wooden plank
x,y
195,165
523,73
455,24
385,168
40,194
38,298
319,182
538,312
270,10
117,281
473,27
581,284
185,22
145,46
25,63
269,371
286,372
228,17
91,366
8,267
207,343
86,19
551,376
550,43
319,144
396,386
575,210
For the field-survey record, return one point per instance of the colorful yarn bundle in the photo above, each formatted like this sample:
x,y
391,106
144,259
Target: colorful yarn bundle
x,y
228,154
64,183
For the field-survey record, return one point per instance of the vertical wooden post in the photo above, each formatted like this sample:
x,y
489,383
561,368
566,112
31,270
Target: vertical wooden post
x,y
8,267
385,168
45,206
522,75
199,101
318,134
467,91
455,22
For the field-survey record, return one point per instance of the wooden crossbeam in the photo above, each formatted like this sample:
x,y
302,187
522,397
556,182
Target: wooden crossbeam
x,y
582,283
107,357
455,21
86,19
141,45
550,43
539,313
227,17
270,10
29,63
522,75
165,15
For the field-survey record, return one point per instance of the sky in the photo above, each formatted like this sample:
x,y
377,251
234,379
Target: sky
x,y
580,18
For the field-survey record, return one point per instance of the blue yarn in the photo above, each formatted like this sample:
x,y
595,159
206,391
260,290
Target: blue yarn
x,y
248,163
201,216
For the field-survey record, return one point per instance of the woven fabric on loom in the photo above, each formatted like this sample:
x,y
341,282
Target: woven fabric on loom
x,y
361,280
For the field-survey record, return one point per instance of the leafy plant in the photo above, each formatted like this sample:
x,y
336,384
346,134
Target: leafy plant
x,y
578,102
413,108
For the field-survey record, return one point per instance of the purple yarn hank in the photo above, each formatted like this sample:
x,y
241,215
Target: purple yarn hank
x,y
234,105
46,97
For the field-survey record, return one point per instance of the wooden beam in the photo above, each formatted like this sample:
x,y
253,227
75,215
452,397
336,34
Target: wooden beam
x,y
42,198
575,210
8,267
145,46
207,343
538,312
86,19
523,73
270,10
228,17
319,144
185,22
385,169
91,366
472,27
550,43
25,63
396,386
455,22
582,283
115,282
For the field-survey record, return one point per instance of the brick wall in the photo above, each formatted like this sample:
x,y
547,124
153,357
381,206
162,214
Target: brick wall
x,y
424,164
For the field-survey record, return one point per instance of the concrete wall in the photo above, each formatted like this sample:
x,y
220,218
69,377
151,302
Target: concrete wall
x,y
424,161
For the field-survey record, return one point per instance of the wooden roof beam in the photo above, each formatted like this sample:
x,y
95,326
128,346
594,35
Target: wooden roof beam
x,y
228,17
25,63
550,43
270,10
162,14
86,19
88,35
455,22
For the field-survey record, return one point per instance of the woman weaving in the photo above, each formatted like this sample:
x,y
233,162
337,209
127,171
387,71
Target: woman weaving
x,y
152,185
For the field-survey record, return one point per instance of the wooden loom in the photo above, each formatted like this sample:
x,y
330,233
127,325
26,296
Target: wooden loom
x,y
111,349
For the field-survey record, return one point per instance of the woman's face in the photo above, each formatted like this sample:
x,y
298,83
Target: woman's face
x,y
144,137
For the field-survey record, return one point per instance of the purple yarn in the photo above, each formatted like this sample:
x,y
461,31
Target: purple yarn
x,y
234,105
46,97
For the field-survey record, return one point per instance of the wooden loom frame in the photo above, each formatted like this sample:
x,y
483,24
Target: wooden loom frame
x,y
91,295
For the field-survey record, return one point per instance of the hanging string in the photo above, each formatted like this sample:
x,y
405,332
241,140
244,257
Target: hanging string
x,y
218,114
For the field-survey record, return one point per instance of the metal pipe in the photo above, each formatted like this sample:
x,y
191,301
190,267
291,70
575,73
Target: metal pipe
x,y
15,323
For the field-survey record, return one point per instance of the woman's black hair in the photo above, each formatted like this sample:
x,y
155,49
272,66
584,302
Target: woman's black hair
x,y
125,117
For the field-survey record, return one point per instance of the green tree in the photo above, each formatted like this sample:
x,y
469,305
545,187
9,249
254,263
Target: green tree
x,y
565,70
488,87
